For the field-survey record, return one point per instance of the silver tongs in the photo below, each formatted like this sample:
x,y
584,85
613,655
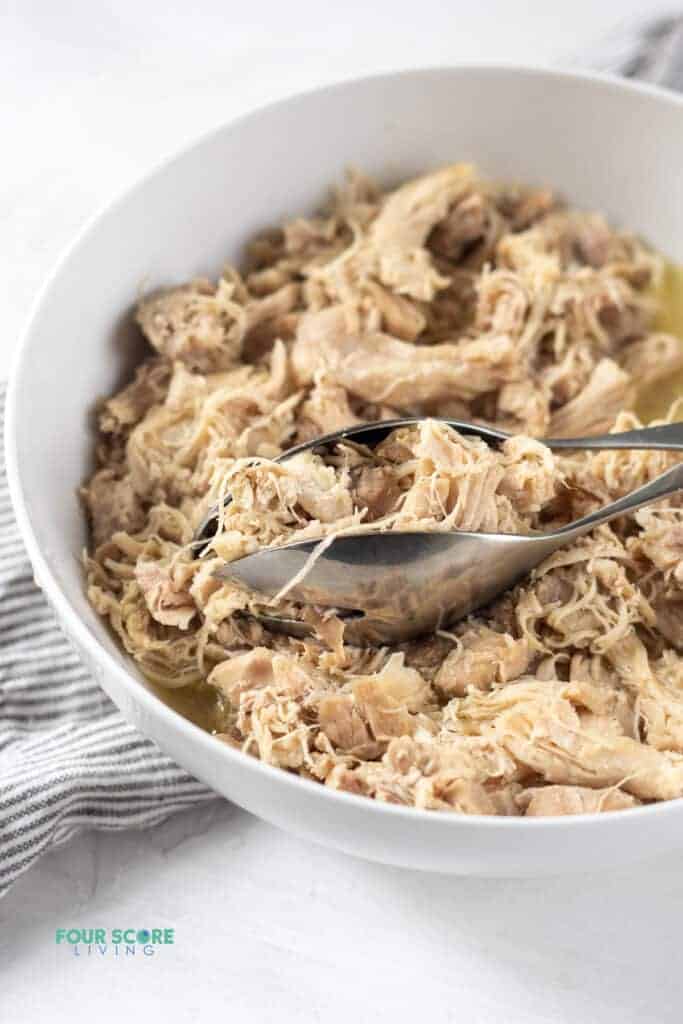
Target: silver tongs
x,y
392,586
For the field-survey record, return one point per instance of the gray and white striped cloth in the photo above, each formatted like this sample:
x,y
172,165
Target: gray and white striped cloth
x,y
68,760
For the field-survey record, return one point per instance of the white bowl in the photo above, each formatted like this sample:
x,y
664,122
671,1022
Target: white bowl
x,y
604,144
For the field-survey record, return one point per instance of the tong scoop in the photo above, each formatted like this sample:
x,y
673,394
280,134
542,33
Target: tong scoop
x,y
393,586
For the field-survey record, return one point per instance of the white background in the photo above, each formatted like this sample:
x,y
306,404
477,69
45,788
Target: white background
x,y
91,95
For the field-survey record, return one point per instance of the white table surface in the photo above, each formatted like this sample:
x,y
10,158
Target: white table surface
x,y
268,927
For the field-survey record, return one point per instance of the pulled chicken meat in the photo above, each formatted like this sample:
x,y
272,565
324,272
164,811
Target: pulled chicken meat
x,y
446,297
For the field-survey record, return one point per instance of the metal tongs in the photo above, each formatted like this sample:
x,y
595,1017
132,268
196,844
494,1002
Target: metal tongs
x,y
394,585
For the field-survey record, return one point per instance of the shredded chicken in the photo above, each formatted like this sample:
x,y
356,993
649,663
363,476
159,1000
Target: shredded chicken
x,y
446,297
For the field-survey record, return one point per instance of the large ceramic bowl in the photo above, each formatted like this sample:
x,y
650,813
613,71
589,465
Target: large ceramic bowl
x,y
606,145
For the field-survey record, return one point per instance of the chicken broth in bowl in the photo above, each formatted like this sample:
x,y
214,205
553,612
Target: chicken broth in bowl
x,y
445,297
655,402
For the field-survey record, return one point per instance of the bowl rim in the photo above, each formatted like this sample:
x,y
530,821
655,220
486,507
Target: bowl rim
x,y
76,629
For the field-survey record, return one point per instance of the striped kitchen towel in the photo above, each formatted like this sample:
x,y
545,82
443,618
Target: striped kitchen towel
x,y
68,760
651,52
